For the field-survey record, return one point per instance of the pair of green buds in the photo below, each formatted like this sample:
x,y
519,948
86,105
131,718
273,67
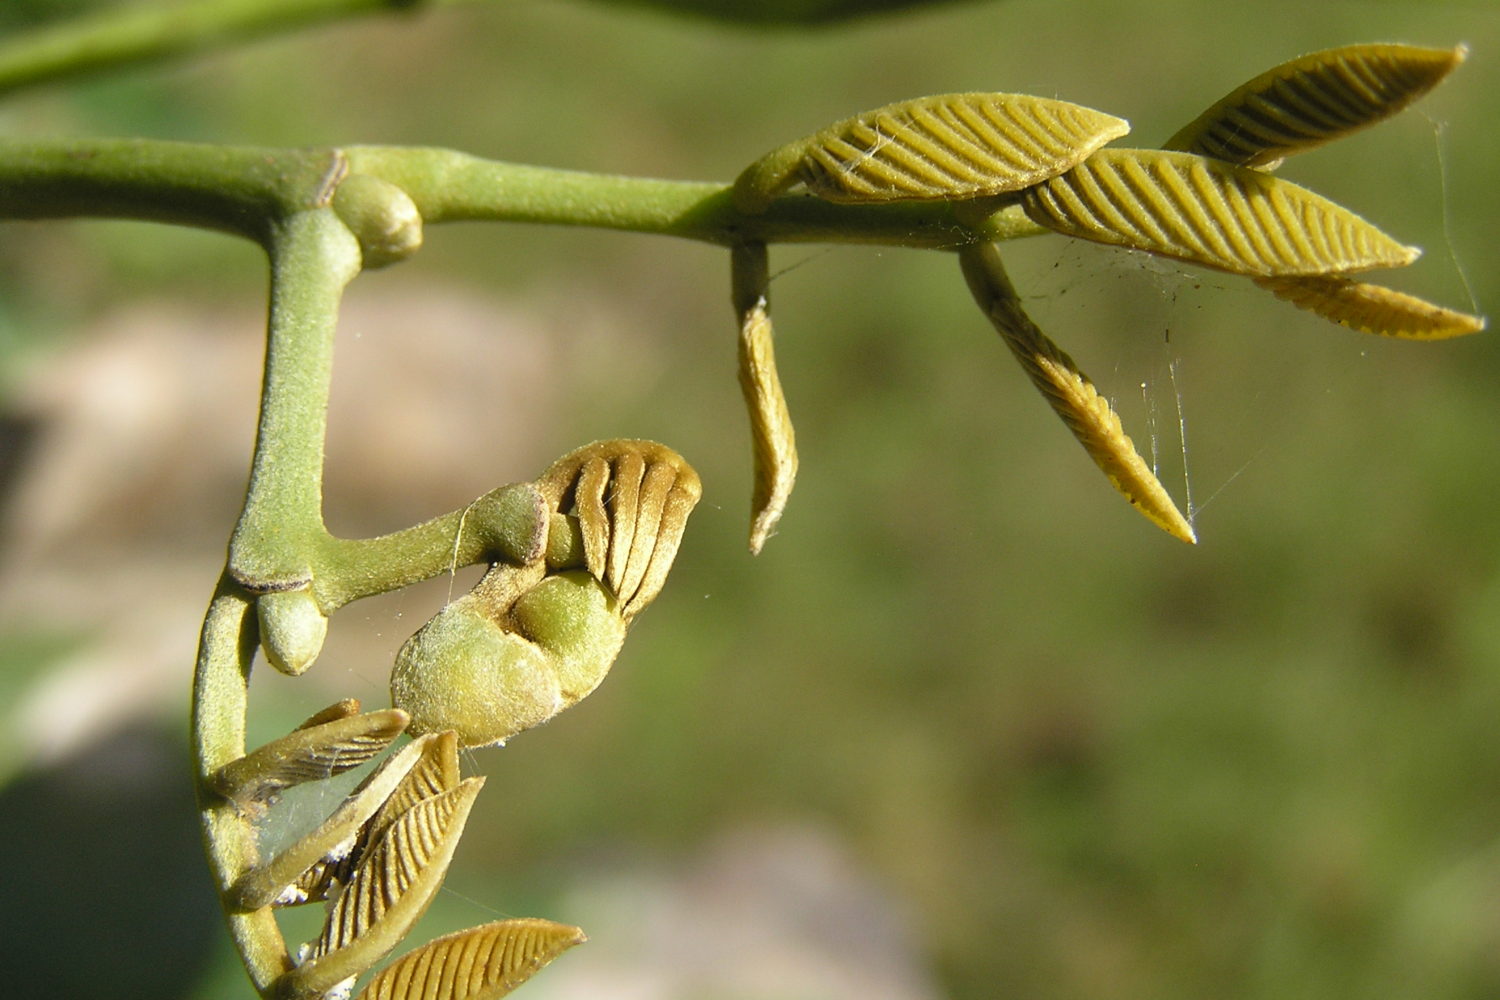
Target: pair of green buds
x,y
1207,198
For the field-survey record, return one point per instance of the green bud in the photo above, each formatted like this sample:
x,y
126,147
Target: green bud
x,y
382,217
292,629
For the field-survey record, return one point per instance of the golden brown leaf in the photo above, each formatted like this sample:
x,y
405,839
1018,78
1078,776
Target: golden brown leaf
x,y
1372,308
774,443
481,963
329,743
389,890
1072,396
276,881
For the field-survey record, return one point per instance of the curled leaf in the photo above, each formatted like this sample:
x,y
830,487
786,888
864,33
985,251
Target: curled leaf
x,y
314,751
773,442
481,963
389,890
1314,99
632,499
1372,308
1072,396
946,147
1207,212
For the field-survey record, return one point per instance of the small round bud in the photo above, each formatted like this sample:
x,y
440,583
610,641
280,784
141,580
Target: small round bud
x,y
292,629
382,217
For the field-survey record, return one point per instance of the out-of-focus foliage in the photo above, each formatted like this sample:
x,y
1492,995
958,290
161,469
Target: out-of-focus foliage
x,y
783,12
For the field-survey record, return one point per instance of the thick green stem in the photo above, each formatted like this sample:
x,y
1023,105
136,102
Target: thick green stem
x,y
220,696
509,523
313,256
244,190
238,189
451,186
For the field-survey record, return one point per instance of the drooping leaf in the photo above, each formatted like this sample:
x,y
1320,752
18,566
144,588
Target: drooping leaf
x,y
1208,212
314,751
946,147
773,442
1072,396
481,963
1315,99
389,890
1372,308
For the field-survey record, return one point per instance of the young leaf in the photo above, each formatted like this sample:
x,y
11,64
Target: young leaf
x,y
314,751
1372,308
632,500
389,890
1208,212
481,963
1315,99
945,147
1073,397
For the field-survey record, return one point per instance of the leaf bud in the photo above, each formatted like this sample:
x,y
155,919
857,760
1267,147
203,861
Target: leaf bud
x,y
382,217
292,629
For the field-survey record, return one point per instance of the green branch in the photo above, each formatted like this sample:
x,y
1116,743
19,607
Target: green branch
x,y
220,699
243,189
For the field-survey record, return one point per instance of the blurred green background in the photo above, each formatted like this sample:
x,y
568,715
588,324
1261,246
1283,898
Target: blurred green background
x,y
969,727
